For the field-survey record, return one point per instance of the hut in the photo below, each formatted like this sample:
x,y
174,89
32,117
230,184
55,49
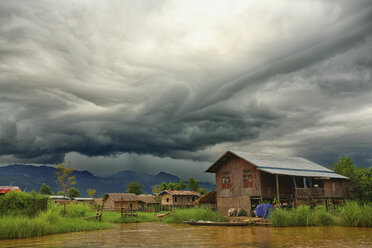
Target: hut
x,y
7,189
178,198
245,179
148,203
119,201
207,200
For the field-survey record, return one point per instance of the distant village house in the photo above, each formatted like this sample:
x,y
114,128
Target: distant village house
x,y
118,201
7,189
243,179
178,198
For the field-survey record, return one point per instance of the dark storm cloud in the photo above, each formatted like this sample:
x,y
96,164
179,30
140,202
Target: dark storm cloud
x,y
185,80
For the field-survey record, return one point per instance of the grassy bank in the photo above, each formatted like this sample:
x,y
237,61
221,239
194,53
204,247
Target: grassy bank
x,y
49,222
351,214
356,214
179,216
115,217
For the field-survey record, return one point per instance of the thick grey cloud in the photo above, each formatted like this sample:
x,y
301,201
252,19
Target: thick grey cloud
x,y
185,80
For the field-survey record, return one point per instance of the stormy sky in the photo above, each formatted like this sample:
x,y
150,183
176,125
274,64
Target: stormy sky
x,y
172,85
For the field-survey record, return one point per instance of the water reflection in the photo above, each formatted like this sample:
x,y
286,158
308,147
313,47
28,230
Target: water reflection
x,y
168,235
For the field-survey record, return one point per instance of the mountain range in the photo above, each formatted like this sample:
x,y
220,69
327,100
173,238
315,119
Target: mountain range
x,y
29,177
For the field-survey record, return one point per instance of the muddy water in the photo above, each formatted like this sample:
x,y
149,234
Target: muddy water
x,y
168,235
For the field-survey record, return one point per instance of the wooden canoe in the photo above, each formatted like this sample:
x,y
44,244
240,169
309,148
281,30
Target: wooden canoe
x,y
219,223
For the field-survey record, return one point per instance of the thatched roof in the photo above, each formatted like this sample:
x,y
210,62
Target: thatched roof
x,y
118,197
98,201
210,197
148,199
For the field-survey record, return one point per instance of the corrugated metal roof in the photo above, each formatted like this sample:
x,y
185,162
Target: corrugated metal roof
x,y
6,189
83,199
179,192
293,166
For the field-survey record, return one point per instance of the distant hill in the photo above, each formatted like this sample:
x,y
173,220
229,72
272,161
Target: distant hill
x,y
29,177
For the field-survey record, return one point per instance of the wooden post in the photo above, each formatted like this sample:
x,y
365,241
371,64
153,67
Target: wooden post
x,y
295,194
277,189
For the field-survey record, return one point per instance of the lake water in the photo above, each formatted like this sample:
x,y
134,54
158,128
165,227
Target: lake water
x,y
172,235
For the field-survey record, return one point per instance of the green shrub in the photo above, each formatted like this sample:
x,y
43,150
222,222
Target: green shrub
x,y
206,214
49,222
356,214
22,203
76,210
321,217
301,216
281,217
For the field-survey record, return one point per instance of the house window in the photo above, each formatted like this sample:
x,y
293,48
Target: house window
x,y
247,181
193,198
175,199
226,180
167,199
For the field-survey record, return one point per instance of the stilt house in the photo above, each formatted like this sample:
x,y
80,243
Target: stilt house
x,y
244,178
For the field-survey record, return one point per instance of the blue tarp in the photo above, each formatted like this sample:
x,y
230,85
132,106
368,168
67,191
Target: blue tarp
x,y
263,210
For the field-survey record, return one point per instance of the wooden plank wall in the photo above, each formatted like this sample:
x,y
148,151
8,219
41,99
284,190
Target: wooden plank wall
x,y
225,203
235,167
334,188
182,200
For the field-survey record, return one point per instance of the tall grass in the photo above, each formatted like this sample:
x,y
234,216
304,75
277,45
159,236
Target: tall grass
x,y
115,217
46,223
302,216
356,214
181,215
75,210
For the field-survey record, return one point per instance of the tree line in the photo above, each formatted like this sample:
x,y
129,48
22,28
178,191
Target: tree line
x,y
360,178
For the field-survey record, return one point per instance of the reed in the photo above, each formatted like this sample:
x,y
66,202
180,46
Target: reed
x,y
49,222
115,217
356,214
302,216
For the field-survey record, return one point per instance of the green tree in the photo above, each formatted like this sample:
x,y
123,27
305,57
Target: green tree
x,y
345,166
163,186
172,186
193,184
155,189
181,185
202,191
134,187
65,180
45,190
91,192
73,193
360,178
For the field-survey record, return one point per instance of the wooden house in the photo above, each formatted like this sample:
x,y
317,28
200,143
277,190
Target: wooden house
x,y
207,200
148,203
243,179
178,198
118,201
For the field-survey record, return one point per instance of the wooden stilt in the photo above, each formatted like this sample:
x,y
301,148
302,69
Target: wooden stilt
x,y
295,194
277,189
